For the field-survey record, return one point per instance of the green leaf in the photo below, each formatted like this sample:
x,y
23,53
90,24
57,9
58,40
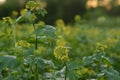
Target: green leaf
x,y
87,60
39,31
19,19
111,74
43,62
7,61
23,17
40,63
48,75
74,65
28,14
49,62
72,75
47,30
50,31
43,12
106,61
60,72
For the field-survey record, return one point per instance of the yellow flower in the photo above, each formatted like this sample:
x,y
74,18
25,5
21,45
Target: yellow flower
x,y
89,71
77,18
105,46
23,12
38,6
14,13
22,44
61,42
61,53
111,40
78,72
31,5
8,20
98,44
101,19
41,24
32,17
40,50
60,22
101,47
85,71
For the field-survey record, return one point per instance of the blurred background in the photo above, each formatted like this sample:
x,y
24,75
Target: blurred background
x,y
67,9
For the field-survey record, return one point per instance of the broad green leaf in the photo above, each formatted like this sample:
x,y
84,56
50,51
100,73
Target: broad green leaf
x,y
50,31
60,72
47,30
27,15
7,61
111,74
40,63
74,65
49,62
87,60
72,75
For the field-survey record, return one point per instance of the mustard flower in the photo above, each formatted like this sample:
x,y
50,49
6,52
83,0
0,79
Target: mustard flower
x,y
77,18
8,20
61,53
22,44
101,47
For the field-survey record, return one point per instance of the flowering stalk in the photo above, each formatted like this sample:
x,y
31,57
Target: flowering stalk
x,y
10,23
61,53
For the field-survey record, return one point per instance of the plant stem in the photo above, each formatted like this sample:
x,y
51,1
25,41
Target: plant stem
x,y
36,72
65,70
36,40
13,33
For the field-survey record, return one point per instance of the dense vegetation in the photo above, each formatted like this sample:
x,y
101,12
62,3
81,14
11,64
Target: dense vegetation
x,y
32,50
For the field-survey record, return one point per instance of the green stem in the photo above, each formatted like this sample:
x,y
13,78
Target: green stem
x,y
13,33
65,70
36,40
36,72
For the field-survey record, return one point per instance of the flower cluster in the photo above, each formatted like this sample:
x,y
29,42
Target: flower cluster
x,y
61,53
22,44
23,12
101,47
61,42
60,22
77,18
60,27
8,20
85,71
14,14
41,24
40,50
32,5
